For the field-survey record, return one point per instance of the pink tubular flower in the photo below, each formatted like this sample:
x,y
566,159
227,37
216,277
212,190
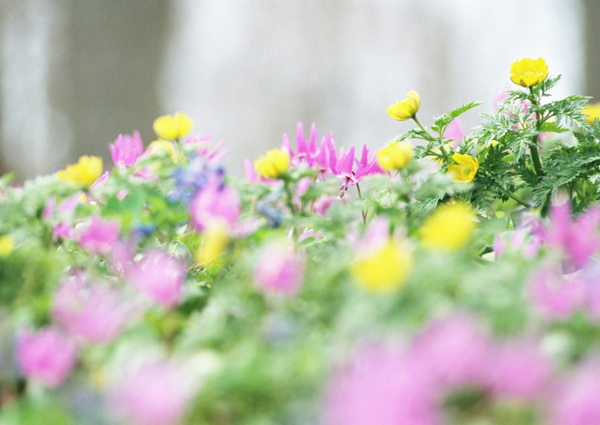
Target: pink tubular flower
x,y
552,294
279,271
520,371
214,202
92,312
154,394
380,386
46,357
159,276
343,167
126,149
100,236
455,351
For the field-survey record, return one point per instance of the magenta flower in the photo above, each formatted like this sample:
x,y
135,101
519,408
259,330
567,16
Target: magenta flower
x,y
126,149
154,394
554,295
455,351
578,400
455,132
158,276
343,167
279,271
578,239
215,202
520,371
46,356
382,386
100,236
306,150
203,148
92,312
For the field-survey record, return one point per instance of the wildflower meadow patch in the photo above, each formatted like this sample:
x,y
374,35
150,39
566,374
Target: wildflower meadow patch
x,y
444,277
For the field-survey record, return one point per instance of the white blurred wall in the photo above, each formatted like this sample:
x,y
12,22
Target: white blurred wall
x,y
249,70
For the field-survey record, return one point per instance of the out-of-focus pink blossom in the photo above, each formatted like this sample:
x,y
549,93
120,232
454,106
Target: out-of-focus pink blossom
x,y
215,202
46,356
159,276
380,386
577,402
455,132
126,149
303,185
92,312
518,370
100,236
323,204
503,94
553,294
153,394
279,270
203,148
455,351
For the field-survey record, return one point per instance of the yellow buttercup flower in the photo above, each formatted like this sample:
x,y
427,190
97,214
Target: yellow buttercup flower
x,y
384,270
528,72
172,127
448,228
85,172
591,111
405,109
162,146
273,164
7,244
466,169
215,241
395,156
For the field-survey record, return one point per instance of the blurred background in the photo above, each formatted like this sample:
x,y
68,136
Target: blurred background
x,y
76,73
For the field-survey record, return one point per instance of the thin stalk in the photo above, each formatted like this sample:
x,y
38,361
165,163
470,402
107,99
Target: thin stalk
x,y
364,213
431,138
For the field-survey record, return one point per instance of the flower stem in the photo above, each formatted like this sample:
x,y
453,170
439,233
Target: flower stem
x,y
431,138
364,213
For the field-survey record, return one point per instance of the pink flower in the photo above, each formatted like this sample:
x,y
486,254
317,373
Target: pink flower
x,y
90,311
455,132
555,296
578,400
126,149
203,145
279,271
46,357
520,371
343,167
380,386
455,351
159,276
215,202
154,394
323,204
100,236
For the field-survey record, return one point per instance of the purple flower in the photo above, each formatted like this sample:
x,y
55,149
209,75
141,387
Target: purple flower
x,y
380,386
126,149
159,276
343,167
154,394
520,371
46,356
89,311
100,236
215,203
555,296
279,271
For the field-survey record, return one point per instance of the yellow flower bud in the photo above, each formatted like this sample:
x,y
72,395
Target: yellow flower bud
x,y
528,72
215,241
591,111
405,109
395,156
7,244
448,228
85,172
466,169
384,270
162,146
273,164
172,127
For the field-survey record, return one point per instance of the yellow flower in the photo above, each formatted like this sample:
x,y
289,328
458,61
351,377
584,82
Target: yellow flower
x,y
591,111
395,156
7,244
85,172
384,270
466,169
528,72
273,164
448,228
162,146
405,109
215,241
172,127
